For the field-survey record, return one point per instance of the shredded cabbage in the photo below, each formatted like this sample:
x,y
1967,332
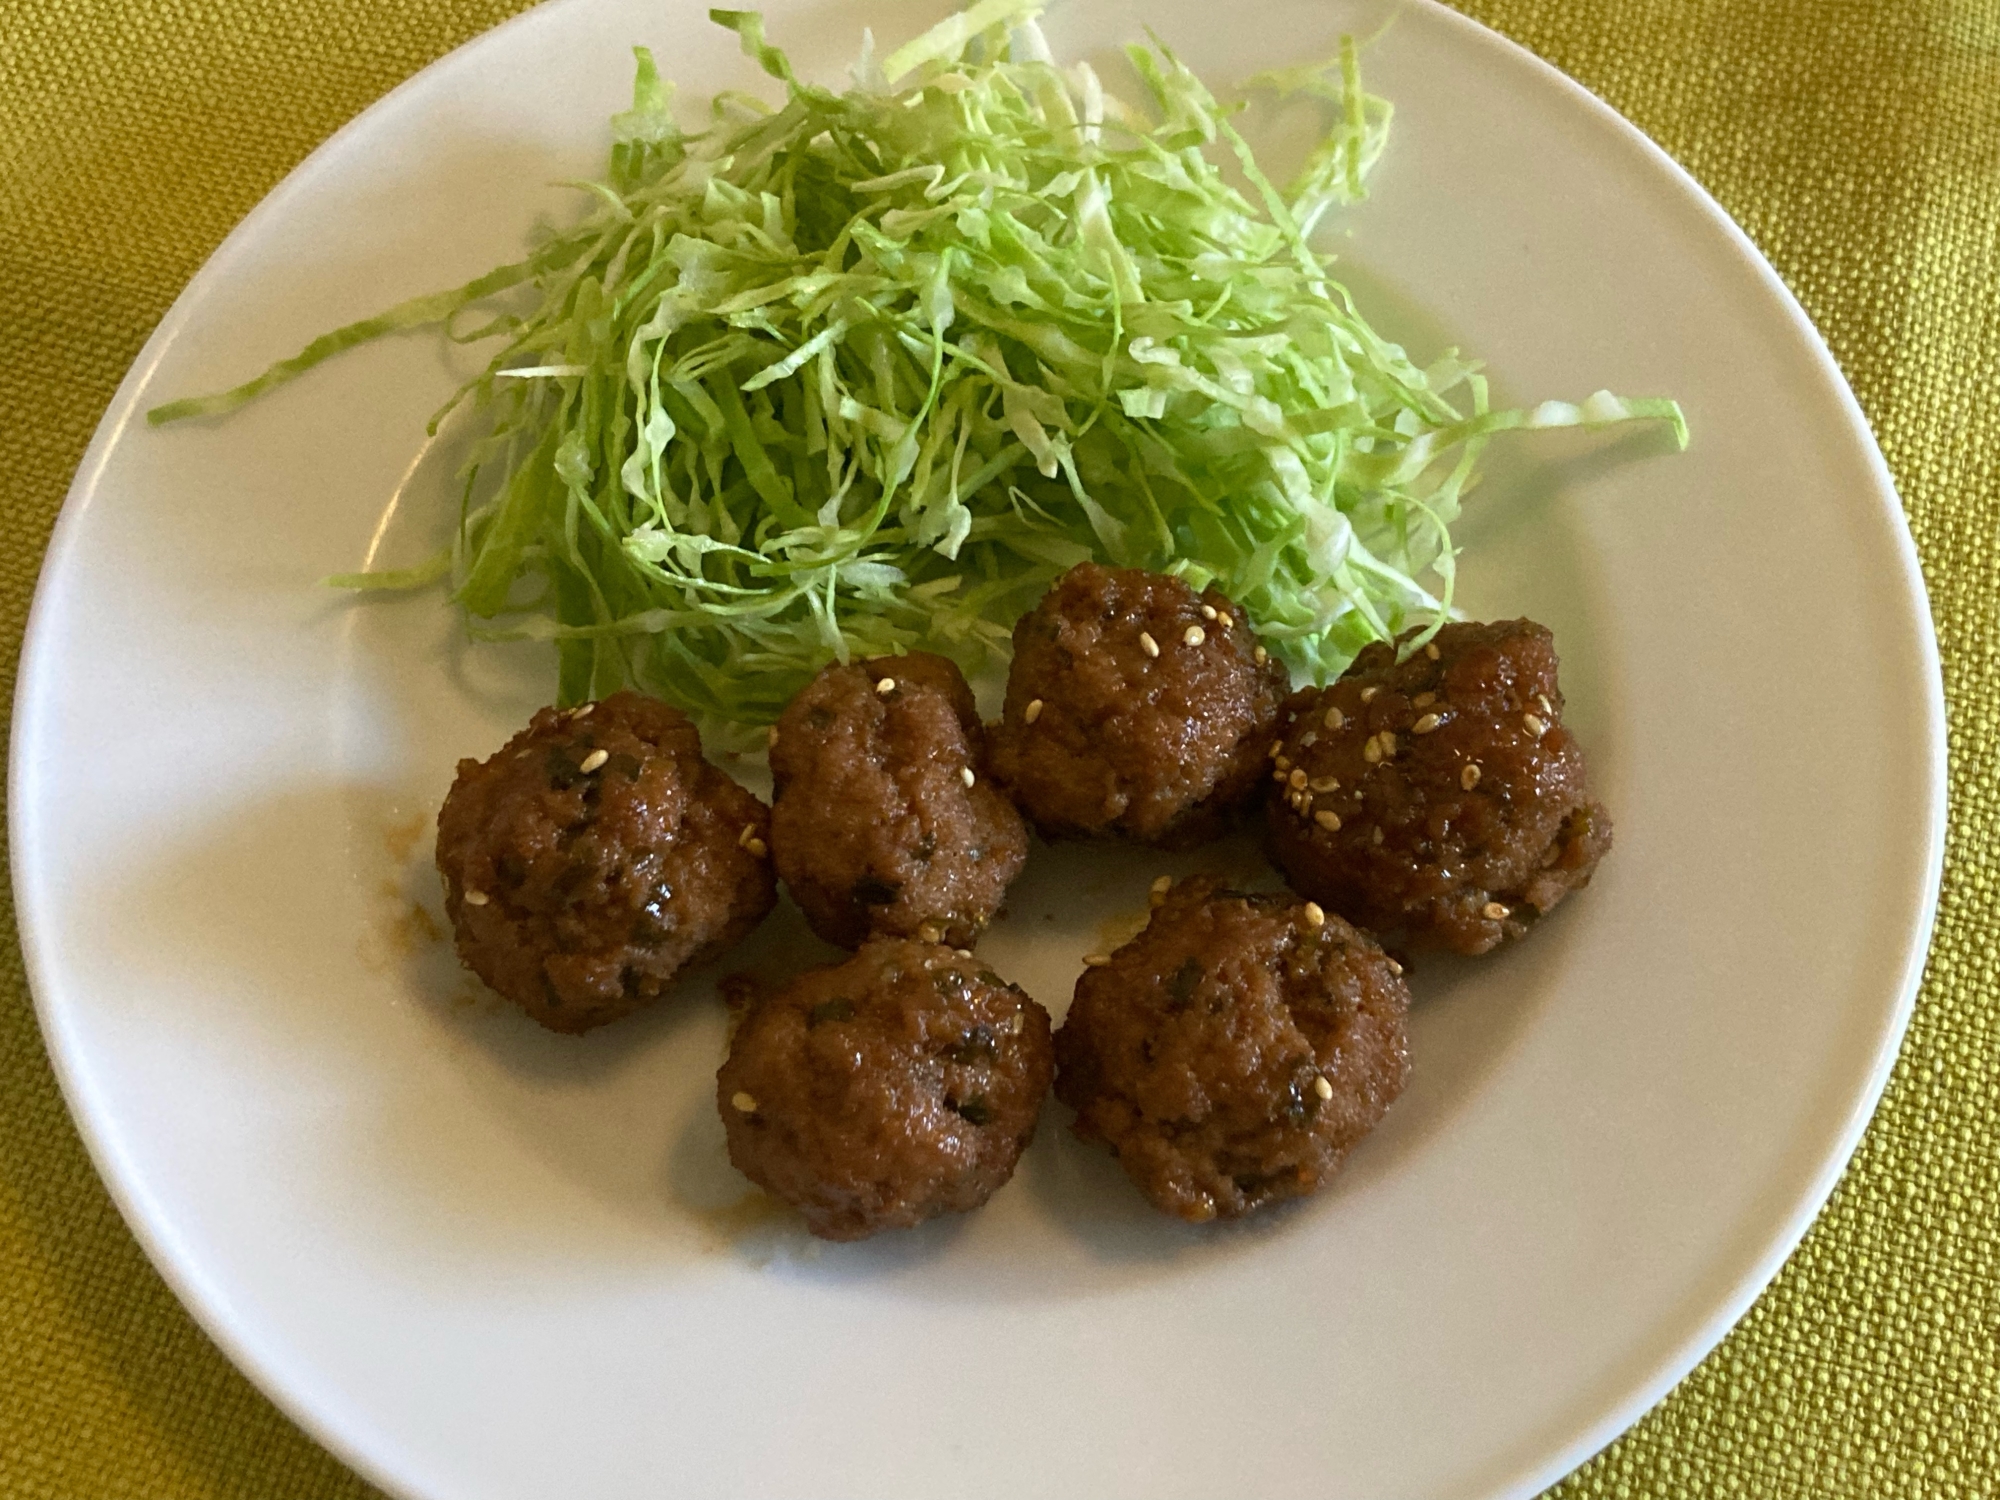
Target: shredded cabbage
x,y
865,371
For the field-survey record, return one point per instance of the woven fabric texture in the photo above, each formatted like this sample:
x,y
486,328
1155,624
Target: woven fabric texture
x,y
1859,144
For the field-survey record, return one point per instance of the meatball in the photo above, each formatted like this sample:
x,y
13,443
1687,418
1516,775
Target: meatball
x,y
885,819
1135,707
595,857
887,1090
1234,1052
1439,798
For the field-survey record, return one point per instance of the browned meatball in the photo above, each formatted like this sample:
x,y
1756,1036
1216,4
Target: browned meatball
x,y
895,1087
1439,799
885,818
595,857
1135,707
1234,1052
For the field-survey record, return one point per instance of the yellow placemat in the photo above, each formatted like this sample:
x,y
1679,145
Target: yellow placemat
x,y
1859,145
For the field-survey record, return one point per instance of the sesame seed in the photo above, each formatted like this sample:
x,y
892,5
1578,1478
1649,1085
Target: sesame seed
x,y
966,775
1326,783
1147,644
1164,884
1260,656
1425,725
1372,751
1225,619
1194,635
962,952
929,933
1278,773
1388,742
1033,711
1297,778
1335,718
1283,763
1377,839
594,761
886,686
475,898
1469,777
749,832
758,848
1431,650
1394,967
1423,700
1208,611
1533,725
1096,960
743,1103
1315,915
1277,748
1322,1088
1368,694
583,712
1493,911
1015,1022
1328,820
1309,739
1548,708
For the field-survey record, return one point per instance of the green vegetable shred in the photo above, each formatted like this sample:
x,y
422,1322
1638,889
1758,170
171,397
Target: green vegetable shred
x,y
866,370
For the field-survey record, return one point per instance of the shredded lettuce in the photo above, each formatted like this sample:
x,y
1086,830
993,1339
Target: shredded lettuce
x,y
864,371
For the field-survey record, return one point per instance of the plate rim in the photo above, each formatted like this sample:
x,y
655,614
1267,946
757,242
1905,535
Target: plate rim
x,y
208,1306
1708,1333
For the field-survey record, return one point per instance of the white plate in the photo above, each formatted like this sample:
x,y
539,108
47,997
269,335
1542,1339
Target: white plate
x,y
480,1261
